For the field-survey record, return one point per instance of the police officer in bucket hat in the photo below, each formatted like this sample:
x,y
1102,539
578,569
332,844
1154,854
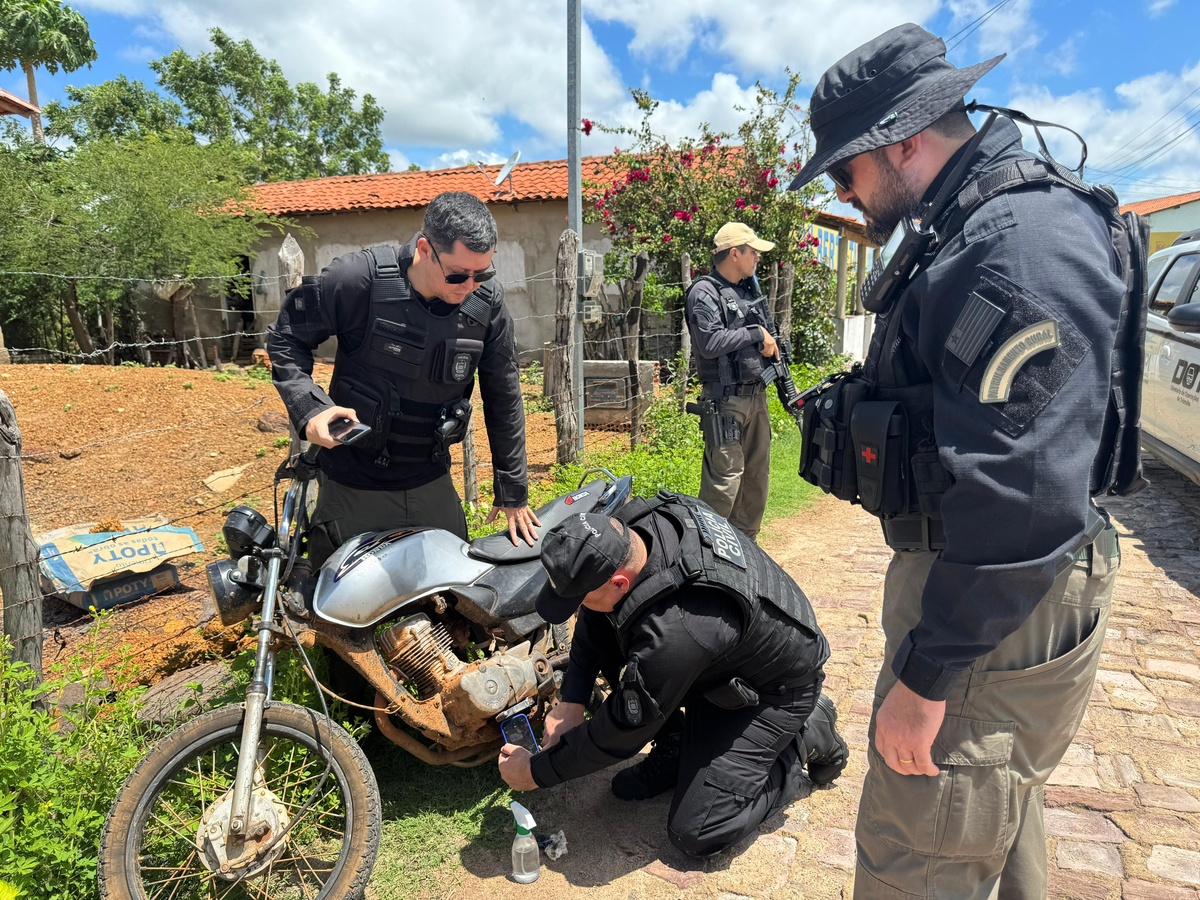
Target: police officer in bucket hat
x,y
979,429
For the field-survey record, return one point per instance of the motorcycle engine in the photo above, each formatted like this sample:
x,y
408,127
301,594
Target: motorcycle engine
x,y
422,652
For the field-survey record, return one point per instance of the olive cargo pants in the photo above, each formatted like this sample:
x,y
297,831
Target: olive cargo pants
x,y
975,830
735,476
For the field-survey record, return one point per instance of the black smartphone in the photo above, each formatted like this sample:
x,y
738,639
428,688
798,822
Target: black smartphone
x,y
517,730
347,431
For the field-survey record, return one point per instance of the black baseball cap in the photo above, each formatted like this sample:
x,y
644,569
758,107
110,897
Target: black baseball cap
x,y
579,555
883,92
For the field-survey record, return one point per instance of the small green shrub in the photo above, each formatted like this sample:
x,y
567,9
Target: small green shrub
x,y
223,376
260,452
132,364
280,442
532,373
258,373
60,769
187,385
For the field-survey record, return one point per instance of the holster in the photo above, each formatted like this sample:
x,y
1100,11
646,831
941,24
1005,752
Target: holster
x,y
451,428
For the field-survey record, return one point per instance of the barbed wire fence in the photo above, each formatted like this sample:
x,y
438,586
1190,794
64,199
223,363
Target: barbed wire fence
x,y
614,401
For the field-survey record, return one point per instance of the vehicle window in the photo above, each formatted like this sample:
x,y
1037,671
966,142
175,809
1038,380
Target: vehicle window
x,y
1154,269
1174,281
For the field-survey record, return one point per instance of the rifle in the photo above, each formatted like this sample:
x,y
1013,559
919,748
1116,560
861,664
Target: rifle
x,y
777,371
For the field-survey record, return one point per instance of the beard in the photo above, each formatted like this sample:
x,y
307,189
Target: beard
x,y
894,199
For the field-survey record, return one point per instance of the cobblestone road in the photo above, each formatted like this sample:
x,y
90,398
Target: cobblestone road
x,y
1123,809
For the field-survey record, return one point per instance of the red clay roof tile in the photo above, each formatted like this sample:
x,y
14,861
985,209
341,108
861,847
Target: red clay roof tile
x,y
1145,207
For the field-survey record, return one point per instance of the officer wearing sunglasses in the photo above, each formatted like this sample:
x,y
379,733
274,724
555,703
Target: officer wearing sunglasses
x,y
414,325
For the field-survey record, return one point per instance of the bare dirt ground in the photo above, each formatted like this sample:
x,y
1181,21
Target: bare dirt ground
x,y
115,443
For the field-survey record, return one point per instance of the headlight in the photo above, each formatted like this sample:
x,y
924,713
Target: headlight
x,y
235,602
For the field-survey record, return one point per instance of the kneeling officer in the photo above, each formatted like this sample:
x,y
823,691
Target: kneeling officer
x,y
677,608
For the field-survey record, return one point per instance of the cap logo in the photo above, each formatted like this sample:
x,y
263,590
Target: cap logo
x,y
584,522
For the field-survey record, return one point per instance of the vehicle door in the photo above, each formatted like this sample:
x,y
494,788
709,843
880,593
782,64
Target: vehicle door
x,y
1173,360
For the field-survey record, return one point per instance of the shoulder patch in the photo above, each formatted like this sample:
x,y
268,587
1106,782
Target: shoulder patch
x,y
1028,357
1002,368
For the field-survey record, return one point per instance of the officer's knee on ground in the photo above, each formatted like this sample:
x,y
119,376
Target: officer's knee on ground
x,y
694,845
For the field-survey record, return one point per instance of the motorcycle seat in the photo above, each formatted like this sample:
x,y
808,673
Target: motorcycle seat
x,y
498,548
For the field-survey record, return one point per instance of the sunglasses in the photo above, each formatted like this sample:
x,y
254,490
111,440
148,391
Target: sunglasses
x,y
460,277
840,178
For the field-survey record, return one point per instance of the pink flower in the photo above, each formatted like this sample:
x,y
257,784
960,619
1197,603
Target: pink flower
x,y
695,209
666,239
682,215
586,128
740,203
772,181
754,206
686,159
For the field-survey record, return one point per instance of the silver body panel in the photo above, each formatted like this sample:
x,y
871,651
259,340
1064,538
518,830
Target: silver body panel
x,y
374,574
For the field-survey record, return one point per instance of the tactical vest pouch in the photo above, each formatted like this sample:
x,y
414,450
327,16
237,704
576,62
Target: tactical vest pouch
x,y
879,431
396,348
733,694
456,360
827,457
368,406
930,481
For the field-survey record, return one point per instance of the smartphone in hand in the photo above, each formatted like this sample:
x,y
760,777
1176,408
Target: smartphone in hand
x,y
347,431
517,730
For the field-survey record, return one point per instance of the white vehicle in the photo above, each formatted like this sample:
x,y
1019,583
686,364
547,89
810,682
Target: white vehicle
x,y
1171,379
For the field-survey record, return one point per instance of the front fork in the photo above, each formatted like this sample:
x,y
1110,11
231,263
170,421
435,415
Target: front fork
x,y
257,696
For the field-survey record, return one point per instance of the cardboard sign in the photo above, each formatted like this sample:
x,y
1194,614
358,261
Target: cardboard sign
x,y
76,561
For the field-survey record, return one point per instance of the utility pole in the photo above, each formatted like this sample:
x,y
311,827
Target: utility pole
x,y
575,192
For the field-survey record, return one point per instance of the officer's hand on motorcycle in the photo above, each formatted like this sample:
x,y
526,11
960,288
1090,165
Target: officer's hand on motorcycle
x,y
317,429
905,727
521,522
514,768
561,719
770,347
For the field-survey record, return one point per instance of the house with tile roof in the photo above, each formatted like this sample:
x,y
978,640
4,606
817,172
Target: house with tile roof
x,y
1169,217
12,105
348,212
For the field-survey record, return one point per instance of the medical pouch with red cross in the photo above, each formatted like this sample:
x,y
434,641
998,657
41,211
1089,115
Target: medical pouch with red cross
x,y
879,432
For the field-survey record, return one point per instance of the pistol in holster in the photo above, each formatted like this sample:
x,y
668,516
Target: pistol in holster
x,y
717,427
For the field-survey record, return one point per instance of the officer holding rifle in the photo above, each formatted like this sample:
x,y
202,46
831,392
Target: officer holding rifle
x,y
733,346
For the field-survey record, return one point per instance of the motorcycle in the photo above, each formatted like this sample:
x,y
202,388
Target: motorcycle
x,y
270,799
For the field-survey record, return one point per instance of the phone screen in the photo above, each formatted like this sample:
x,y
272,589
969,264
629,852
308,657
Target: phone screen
x,y
347,431
517,730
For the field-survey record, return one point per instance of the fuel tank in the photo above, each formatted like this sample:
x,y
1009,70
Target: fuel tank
x,y
373,574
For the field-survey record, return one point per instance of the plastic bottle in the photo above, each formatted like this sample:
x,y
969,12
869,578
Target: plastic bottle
x,y
526,859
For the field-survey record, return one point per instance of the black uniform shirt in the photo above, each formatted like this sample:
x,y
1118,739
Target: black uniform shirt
x,y
674,642
344,292
1019,504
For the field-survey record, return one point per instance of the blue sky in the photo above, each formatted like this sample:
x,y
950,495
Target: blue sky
x,y
473,80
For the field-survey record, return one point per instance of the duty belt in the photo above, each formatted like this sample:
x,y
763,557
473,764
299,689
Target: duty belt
x,y
748,389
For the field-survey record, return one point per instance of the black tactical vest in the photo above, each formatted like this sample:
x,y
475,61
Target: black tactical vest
x,y
781,644
413,374
743,366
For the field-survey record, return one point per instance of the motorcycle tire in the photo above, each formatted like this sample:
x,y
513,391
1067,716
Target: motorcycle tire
x,y
150,849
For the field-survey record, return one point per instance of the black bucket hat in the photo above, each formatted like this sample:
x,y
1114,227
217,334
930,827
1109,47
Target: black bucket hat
x,y
887,90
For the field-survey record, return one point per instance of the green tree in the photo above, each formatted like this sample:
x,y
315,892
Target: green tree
x,y
139,209
235,94
118,108
43,33
667,199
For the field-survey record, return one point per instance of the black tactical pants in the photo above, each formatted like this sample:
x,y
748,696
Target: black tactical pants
x,y
737,768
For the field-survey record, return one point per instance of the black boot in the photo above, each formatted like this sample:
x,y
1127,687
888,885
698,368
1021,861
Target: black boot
x,y
821,747
656,773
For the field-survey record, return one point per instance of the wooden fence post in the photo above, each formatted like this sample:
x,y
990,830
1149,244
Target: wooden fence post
x,y
19,578
633,327
566,284
685,338
783,312
470,471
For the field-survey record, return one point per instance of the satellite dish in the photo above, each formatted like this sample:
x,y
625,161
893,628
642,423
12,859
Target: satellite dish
x,y
506,169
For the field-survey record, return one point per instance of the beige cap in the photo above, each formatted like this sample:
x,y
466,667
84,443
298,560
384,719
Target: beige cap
x,y
735,234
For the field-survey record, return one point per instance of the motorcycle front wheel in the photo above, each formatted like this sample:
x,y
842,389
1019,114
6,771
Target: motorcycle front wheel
x,y
166,835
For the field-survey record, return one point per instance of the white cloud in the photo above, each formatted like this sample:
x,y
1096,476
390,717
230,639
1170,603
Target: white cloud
x,y
456,158
1157,7
139,53
1140,141
1064,60
760,39
1010,29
